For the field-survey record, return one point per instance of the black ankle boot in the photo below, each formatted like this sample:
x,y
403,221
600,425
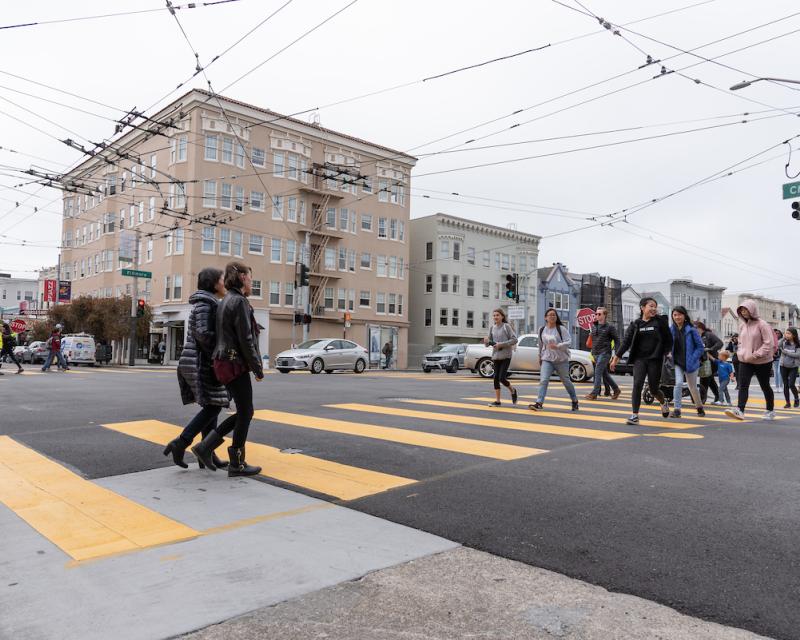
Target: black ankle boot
x,y
238,467
177,448
218,463
204,451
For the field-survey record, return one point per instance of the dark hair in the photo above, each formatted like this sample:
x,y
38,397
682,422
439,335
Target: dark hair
x,y
502,313
795,339
558,318
643,303
208,278
233,271
701,326
682,310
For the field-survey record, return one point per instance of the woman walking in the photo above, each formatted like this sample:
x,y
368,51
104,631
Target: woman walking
x,y
687,348
776,360
712,344
790,360
648,338
195,369
236,355
756,349
502,339
554,343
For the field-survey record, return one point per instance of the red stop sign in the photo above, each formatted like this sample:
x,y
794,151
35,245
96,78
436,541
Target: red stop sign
x,y
18,326
585,318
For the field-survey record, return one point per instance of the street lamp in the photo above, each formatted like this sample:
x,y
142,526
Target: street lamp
x,y
746,83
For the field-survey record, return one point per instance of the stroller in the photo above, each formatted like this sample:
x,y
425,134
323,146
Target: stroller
x,y
667,384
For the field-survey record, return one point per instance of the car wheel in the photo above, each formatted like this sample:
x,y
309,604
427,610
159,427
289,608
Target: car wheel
x,y
317,366
360,366
284,370
577,372
452,367
486,368
426,369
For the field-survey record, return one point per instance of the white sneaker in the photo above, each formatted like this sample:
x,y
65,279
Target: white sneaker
x,y
769,415
734,413
717,403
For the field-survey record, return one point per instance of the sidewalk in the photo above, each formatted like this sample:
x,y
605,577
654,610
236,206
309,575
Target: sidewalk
x,y
465,593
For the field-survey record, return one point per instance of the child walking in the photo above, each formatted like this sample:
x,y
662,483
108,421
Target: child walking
x,y
725,373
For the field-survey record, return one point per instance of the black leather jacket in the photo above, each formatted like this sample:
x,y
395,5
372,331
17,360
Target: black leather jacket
x,y
237,332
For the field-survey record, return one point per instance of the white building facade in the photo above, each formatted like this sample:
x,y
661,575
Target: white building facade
x,y
17,294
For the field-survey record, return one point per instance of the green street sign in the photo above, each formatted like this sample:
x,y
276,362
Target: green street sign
x,y
791,190
135,273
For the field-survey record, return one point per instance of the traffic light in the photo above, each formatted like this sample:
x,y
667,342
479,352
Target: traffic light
x,y
304,275
140,306
796,210
512,289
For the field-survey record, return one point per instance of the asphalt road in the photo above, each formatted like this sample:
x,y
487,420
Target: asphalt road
x,y
706,522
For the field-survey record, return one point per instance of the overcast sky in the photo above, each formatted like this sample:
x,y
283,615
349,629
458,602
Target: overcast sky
x,y
736,231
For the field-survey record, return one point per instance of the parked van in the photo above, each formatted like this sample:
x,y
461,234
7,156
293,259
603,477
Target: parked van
x,y
78,348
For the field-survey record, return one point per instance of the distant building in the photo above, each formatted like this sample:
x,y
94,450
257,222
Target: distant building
x,y
17,294
702,301
630,304
46,273
599,291
730,322
778,313
558,290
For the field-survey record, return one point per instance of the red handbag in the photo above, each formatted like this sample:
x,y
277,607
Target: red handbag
x,y
228,370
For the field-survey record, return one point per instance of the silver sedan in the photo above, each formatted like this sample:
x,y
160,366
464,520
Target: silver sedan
x,y
325,354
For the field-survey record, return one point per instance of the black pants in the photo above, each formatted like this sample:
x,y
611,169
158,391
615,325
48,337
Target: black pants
x,y
705,385
10,354
762,373
203,422
789,376
501,372
650,369
241,390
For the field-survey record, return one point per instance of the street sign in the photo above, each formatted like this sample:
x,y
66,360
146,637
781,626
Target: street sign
x,y
516,312
585,318
136,273
18,326
791,190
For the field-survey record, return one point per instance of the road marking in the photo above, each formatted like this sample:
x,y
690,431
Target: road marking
x,y
661,424
323,476
496,450
677,436
85,520
537,427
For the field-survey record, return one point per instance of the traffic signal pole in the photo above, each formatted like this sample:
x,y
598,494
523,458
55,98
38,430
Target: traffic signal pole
x,y
134,302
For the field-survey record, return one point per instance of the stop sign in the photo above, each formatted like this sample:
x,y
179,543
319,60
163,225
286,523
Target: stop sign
x,y
18,326
585,318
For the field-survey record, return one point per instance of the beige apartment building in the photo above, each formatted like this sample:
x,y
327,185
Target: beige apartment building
x,y
778,313
222,181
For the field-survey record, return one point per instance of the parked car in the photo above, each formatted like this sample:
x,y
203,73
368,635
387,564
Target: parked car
x,y
37,352
444,356
78,348
525,359
324,354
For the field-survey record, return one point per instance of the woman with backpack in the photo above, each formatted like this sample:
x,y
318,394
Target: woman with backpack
x,y
649,339
687,349
790,360
554,344
195,368
502,340
756,348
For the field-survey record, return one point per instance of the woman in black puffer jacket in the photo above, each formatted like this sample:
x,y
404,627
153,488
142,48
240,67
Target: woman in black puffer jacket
x,y
195,369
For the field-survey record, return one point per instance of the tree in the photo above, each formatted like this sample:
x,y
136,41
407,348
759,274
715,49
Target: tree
x,y
104,318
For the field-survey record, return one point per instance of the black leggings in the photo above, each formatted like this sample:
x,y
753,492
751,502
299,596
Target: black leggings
x,y
789,376
762,373
10,354
650,369
501,373
241,390
203,422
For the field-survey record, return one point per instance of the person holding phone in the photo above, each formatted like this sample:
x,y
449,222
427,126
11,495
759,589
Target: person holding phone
x,y
501,339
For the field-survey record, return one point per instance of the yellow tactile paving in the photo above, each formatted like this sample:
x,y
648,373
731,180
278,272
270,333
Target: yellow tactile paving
x,y
331,478
84,519
533,427
496,450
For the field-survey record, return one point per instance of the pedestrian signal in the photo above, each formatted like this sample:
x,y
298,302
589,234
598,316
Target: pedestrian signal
x,y
140,306
512,290
796,210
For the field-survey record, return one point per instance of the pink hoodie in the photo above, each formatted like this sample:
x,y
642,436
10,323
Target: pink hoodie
x,y
756,338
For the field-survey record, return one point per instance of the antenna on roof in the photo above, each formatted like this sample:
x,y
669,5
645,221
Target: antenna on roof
x,y
314,118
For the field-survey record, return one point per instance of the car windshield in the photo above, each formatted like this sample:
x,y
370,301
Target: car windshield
x,y
310,344
444,347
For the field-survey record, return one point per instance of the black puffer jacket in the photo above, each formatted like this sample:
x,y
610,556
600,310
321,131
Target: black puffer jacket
x,y
195,369
237,333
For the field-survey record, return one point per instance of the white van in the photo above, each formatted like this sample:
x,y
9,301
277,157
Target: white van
x,y
78,348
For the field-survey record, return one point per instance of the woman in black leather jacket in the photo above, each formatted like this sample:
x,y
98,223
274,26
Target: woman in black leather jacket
x,y
237,349
195,370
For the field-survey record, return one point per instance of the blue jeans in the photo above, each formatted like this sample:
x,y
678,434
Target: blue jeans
x,y
562,368
51,355
776,370
724,394
601,374
677,393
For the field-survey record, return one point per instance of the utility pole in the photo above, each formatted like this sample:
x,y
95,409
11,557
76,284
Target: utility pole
x,y
134,301
307,290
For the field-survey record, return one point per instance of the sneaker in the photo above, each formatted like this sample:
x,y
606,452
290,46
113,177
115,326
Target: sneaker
x,y
676,413
787,406
796,403
590,396
514,396
494,404
536,406
701,412
634,420
615,395
735,412
574,405
665,410
769,415
717,403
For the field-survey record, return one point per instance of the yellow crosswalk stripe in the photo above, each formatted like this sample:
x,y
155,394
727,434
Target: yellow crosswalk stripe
x,y
533,427
496,450
323,476
661,424
84,519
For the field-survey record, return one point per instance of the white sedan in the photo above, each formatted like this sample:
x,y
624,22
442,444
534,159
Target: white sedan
x,y
325,354
525,359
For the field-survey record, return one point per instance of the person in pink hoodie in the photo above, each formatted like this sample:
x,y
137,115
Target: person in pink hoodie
x,y
756,350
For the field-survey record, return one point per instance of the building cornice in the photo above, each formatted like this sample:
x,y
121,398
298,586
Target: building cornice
x,y
480,227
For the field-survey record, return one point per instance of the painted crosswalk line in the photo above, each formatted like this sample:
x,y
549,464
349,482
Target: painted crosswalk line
x,y
571,415
496,450
323,476
82,518
532,427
